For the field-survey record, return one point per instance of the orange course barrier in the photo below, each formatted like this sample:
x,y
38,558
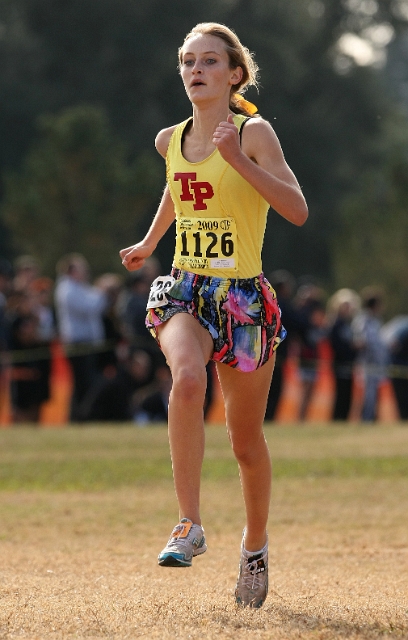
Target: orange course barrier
x,y
55,412
320,407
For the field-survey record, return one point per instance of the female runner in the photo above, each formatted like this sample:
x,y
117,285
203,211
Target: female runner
x,y
225,168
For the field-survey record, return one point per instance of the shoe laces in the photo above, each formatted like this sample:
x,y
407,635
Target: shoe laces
x,y
253,573
176,539
175,534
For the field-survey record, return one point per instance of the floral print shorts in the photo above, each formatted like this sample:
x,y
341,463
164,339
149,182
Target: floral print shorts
x,y
241,315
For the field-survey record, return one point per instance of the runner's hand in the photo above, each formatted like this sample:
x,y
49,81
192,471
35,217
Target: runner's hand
x,y
226,139
133,258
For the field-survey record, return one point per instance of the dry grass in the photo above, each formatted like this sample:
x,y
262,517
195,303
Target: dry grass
x,y
82,564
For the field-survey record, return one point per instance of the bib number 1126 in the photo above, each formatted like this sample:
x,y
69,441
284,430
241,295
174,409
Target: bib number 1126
x,y
207,248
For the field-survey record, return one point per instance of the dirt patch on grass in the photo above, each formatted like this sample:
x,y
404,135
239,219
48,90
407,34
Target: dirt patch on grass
x,y
83,565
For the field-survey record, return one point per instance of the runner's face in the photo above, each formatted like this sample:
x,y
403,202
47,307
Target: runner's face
x,y
205,69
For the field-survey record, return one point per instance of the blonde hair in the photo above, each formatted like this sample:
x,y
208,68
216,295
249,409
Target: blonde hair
x,y
239,56
343,296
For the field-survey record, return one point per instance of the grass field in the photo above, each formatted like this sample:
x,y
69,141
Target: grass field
x,y
84,512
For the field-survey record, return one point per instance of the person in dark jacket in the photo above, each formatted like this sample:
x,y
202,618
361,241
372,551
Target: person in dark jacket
x,y
342,308
112,399
395,334
30,382
284,284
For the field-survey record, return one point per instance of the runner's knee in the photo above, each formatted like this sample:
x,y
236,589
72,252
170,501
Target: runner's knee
x,y
248,451
189,384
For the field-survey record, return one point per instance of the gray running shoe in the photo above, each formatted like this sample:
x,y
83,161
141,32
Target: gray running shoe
x,y
252,584
186,540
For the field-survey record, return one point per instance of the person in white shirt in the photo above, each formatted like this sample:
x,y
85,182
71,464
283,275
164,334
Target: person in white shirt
x,y
79,308
372,350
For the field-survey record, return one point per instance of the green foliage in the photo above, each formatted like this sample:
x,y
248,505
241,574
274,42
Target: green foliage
x,y
372,246
331,124
331,116
78,191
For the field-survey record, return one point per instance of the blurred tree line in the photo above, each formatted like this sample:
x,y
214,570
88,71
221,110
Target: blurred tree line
x,y
85,86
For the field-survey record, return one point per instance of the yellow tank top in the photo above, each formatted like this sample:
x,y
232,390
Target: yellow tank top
x,y
220,217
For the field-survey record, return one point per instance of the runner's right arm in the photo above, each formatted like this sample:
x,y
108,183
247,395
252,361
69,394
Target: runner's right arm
x,y
134,257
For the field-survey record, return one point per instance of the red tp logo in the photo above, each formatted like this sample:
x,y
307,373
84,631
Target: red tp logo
x,y
193,190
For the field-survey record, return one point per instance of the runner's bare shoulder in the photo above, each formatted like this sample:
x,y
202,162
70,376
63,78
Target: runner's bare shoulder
x,y
163,139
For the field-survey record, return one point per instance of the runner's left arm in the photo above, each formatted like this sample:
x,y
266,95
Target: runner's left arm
x,y
261,162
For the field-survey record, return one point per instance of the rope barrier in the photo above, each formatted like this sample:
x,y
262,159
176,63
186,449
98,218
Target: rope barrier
x,y
10,358
45,352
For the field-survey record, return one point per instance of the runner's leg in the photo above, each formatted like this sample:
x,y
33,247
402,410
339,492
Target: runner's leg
x,y
187,347
245,396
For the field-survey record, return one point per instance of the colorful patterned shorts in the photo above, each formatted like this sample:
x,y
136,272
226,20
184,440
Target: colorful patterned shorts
x,y
241,315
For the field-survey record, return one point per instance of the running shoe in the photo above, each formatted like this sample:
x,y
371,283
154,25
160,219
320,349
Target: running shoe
x,y
186,540
252,584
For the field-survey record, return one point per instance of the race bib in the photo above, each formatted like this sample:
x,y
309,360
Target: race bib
x,y
206,243
158,290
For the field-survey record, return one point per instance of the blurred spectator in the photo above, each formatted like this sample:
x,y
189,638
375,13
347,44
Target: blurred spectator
x,y
41,304
372,350
134,306
284,284
26,270
6,273
111,284
79,308
395,335
311,329
342,308
114,399
41,291
19,303
153,401
30,386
